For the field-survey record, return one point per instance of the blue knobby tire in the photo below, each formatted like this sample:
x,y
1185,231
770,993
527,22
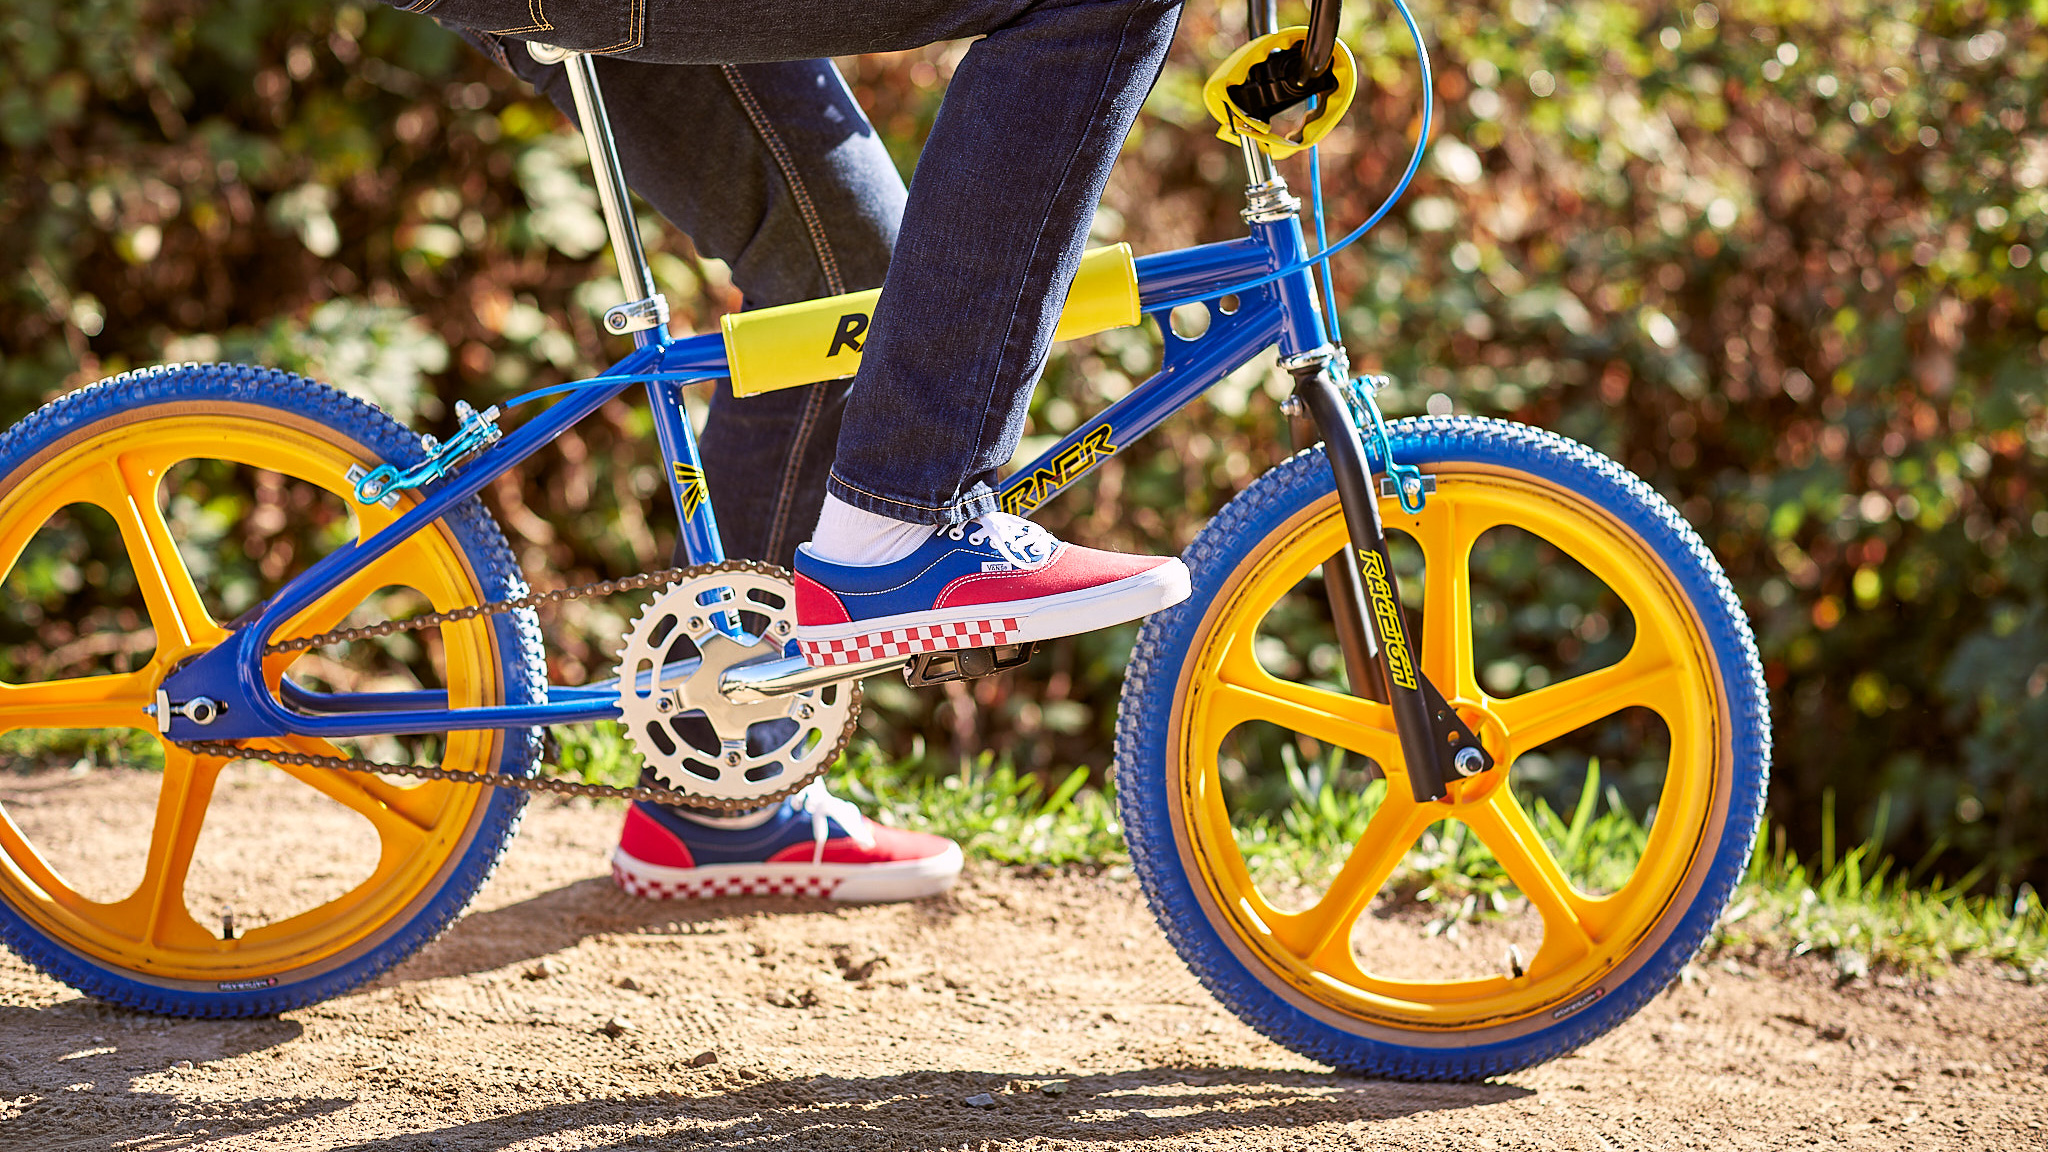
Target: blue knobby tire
x,y
308,431
1250,955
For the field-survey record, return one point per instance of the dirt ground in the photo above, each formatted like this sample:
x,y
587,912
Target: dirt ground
x,y
868,1028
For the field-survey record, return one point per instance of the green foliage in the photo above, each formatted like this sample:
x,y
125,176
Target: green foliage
x,y
1861,910
1781,259
992,809
79,749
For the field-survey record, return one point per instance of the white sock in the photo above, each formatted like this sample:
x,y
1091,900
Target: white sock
x,y
853,536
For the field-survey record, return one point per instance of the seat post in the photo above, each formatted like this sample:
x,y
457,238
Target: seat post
x,y
644,307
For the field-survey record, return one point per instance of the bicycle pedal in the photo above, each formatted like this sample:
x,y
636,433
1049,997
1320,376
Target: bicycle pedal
x,y
965,663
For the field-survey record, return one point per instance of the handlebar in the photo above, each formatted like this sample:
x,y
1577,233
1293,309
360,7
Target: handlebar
x,y
1322,40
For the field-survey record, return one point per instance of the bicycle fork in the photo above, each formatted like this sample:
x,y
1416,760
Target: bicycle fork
x,y
1380,656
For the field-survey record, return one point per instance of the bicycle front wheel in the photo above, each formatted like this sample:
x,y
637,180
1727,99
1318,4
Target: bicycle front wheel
x,y
185,495
1579,627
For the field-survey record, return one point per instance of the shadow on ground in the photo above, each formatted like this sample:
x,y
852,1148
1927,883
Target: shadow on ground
x,y
558,920
926,1111
101,1052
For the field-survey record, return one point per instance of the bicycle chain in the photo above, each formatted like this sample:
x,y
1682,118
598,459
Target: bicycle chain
x,y
427,620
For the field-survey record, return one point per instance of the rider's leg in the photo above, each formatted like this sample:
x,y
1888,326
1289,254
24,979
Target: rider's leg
x,y
789,186
993,233
776,171
999,210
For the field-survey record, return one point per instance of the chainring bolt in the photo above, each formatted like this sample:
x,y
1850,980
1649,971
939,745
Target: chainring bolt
x,y
732,758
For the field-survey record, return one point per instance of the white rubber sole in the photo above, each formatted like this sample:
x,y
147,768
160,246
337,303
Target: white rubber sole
x,y
866,883
1007,622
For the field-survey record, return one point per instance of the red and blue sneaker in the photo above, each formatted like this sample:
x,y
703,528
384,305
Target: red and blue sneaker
x,y
996,579
813,844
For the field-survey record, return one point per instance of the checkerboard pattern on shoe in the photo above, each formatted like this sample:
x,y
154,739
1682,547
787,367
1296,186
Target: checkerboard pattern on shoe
x,y
997,579
910,641
814,844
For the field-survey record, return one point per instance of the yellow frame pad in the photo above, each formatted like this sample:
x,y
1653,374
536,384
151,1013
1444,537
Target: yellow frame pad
x,y
815,340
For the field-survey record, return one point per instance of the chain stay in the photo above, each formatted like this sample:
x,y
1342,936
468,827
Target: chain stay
x,y
419,623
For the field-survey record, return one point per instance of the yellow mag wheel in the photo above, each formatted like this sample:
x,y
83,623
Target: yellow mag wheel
x,y
1580,628
137,517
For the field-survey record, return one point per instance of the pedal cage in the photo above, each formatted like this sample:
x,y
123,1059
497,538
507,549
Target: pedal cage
x,y
965,663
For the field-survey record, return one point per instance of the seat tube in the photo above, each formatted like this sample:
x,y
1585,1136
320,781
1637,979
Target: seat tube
x,y
684,469
644,312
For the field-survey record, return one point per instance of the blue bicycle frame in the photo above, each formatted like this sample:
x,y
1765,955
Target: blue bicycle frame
x,y
1244,322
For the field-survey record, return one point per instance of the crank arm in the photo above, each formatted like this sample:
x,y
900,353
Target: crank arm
x,y
1435,742
759,680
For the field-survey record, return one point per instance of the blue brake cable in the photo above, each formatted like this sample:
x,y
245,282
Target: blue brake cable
x,y
594,381
1315,200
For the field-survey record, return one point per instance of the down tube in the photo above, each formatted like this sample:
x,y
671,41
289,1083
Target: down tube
x,y
1187,374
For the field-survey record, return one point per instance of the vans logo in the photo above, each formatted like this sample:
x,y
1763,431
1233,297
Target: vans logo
x,y
851,326
997,566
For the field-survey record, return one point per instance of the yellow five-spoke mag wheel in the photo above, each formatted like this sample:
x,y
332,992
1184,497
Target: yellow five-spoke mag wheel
x,y
1573,620
193,491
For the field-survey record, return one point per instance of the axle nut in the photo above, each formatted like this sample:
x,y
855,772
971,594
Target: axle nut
x,y
1469,761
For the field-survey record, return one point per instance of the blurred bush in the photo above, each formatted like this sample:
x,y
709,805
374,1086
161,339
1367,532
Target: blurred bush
x,y
1778,258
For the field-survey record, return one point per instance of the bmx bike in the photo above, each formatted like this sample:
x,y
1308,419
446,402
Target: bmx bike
x,y
714,695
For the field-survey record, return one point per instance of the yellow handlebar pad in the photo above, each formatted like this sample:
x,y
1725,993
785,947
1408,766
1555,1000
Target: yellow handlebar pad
x,y
1236,123
815,340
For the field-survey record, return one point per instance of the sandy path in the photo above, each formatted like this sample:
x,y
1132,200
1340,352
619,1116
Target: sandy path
x,y
868,1027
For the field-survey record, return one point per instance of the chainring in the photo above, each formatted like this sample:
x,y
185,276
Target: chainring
x,y
690,736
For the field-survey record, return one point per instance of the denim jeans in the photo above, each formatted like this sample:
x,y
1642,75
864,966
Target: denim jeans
x,y
991,232
788,184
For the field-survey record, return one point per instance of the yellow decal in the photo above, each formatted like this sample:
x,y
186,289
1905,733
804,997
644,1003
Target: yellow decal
x,y
1399,664
1065,468
690,481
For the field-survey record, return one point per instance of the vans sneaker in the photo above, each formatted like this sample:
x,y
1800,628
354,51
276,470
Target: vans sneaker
x,y
996,579
814,844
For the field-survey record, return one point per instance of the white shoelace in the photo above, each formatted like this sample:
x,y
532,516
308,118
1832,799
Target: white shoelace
x,y
823,808
1021,540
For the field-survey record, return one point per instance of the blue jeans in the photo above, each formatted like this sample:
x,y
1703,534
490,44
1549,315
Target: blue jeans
x,y
730,123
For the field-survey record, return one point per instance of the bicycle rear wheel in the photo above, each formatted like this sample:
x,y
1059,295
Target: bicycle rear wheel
x,y
156,455
1243,676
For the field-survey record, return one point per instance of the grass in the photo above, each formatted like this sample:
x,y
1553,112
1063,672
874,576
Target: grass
x,y
1861,910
